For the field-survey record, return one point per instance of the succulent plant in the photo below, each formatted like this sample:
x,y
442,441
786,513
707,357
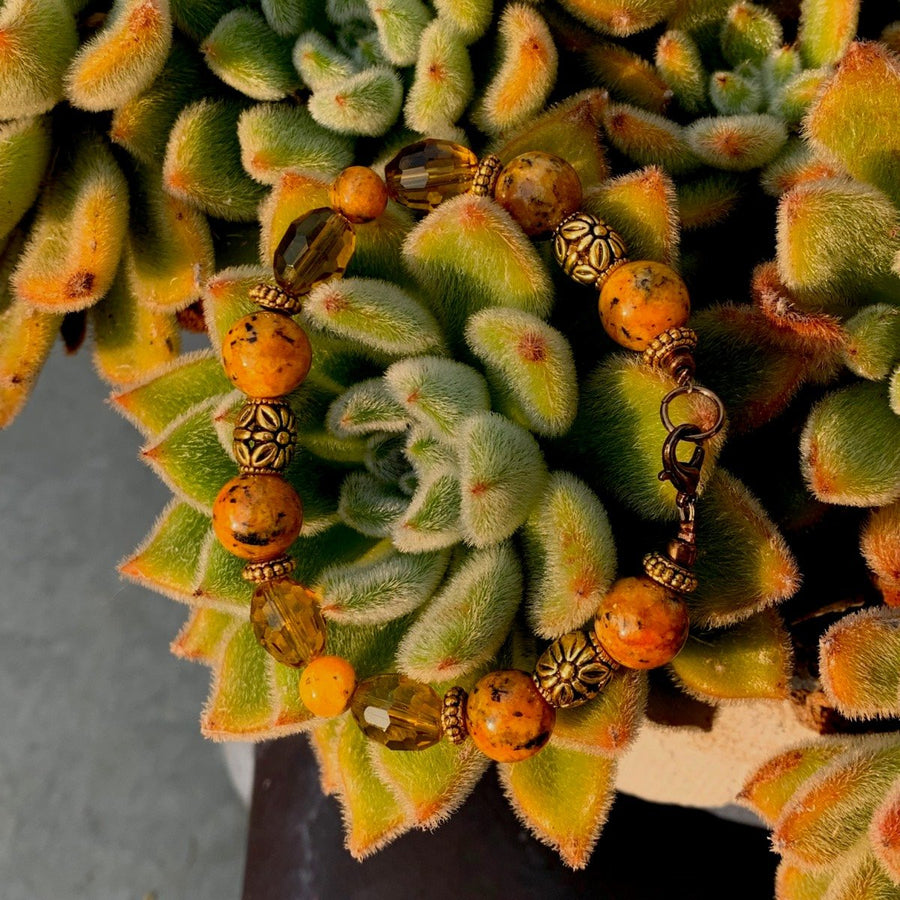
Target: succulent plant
x,y
476,459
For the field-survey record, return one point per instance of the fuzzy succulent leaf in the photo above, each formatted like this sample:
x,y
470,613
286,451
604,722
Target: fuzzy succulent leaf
x,y
530,368
570,555
447,253
203,636
467,620
318,61
855,122
826,29
620,17
468,17
864,878
744,564
859,658
737,143
535,785
644,207
680,64
750,660
708,200
749,33
377,315
628,76
838,236
197,18
250,57
275,138
366,407
123,58
287,17
381,585
648,139
400,24
734,93
25,146
797,163
39,40
795,883
873,341
370,505
526,73
793,101
443,84
619,426
880,545
850,447
431,521
502,474
73,250
430,783
831,812
779,67
203,162
884,834
366,103
131,338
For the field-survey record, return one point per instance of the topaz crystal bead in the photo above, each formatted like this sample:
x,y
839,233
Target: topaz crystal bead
x,y
398,712
424,174
315,247
287,623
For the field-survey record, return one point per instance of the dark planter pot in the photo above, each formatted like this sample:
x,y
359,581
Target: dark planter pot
x,y
647,852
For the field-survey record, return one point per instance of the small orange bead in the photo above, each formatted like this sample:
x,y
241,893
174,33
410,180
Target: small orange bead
x,y
641,624
326,686
539,191
640,300
266,355
507,717
359,194
257,517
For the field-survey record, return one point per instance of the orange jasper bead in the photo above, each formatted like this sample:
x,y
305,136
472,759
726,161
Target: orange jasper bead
x,y
641,624
257,517
640,300
507,717
266,355
359,194
326,686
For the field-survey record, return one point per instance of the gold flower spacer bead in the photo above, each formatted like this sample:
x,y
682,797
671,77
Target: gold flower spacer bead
x,y
270,296
668,573
453,715
587,249
269,569
572,670
264,436
486,176
673,352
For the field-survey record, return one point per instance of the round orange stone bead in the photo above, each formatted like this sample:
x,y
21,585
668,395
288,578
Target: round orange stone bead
x,y
538,190
266,355
326,686
257,517
640,300
359,194
641,624
507,717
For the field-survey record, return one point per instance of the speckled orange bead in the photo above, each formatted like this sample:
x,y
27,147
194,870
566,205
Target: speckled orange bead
x,y
326,686
538,190
640,300
641,624
266,355
359,194
257,517
507,717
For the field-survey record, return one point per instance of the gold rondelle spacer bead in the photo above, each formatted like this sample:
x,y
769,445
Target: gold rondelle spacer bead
x,y
453,715
486,176
269,569
668,573
270,296
663,349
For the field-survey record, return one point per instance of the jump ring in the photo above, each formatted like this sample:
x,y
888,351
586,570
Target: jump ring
x,y
691,389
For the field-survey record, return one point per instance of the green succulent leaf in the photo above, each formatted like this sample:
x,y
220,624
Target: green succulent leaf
x,y
366,407
431,521
749,33
318,61
203,636
796,97
735,93
365,104
628,76
621,17
197,18
400,24
288,17
826,29
469,17
370,505
25,146
680,64
880,545
649,139
737,143
873,345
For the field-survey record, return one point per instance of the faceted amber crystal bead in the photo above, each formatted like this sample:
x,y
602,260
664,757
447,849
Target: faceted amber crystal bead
x,y
507,717
538,190
398,712
426,173
327,685
257,517
640,300
641,624
359,194
266,355
315,247
287,622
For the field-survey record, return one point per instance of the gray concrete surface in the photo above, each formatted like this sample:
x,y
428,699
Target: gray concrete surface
x,y
107,789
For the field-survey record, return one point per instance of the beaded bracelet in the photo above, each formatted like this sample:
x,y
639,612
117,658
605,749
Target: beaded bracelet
x,y
642,622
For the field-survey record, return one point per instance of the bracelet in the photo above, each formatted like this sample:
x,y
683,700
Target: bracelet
x,y
642,622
